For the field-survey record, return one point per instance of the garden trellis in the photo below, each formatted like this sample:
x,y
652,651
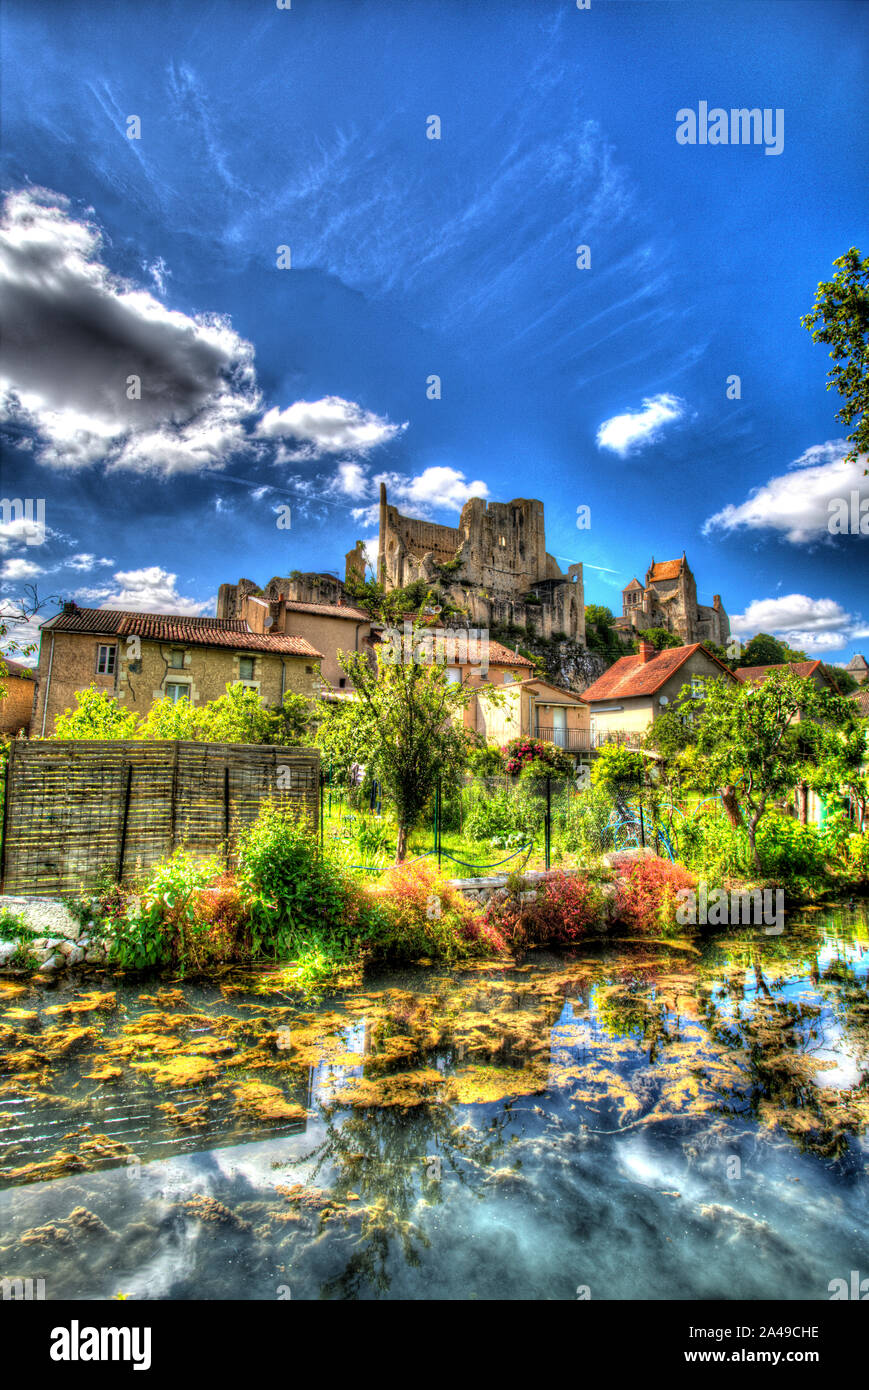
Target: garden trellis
x,y
77,810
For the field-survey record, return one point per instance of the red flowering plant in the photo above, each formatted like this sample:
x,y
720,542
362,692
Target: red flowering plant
x,y
541,759
646,893
560,912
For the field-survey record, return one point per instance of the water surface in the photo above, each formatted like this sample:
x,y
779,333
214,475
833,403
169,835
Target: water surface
x,y
649,1120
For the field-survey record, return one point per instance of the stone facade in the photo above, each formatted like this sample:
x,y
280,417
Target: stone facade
x,y
312,606
669,600
16,706
497,566
69,661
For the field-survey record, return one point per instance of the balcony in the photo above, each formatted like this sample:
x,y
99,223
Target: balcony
x,y
584,740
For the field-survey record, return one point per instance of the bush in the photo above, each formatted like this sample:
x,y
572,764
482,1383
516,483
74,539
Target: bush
x,y
791,853
564,908
295,890
502,814
486,761
421,914
646,893
170,921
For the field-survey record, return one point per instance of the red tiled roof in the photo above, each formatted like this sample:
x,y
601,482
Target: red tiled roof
x,y
327,610
15,668
630,676
758,674
174,627
667,569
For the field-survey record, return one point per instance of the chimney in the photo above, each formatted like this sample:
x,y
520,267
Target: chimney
x,y
646,651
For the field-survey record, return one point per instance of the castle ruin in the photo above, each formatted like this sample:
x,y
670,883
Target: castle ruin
x,y
493,566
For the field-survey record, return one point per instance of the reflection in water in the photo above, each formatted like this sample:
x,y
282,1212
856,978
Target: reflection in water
x,y
678,1119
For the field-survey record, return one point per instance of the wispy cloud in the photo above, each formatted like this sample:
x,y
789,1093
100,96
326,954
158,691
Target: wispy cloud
x,y
626,434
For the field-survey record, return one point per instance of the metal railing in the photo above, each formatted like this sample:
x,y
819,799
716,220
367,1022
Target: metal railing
x,y
584,740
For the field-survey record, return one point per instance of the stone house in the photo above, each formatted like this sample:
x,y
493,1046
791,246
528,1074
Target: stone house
x,y
311,606
628,697
539,709
858,667
16,706
142,657
669,600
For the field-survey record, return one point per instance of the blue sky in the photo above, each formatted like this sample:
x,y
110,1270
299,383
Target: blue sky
x,y
412,257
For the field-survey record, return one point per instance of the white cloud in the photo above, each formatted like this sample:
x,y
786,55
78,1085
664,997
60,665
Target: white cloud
x,y
437,488
86,562
150,590
796,502
73,335
20,569
19,634
628,433
815,626
328,426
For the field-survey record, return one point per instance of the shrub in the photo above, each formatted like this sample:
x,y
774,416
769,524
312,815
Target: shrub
x,y
164,923
295,890
646,893
421,914
486,761
564,908
791,853
506,812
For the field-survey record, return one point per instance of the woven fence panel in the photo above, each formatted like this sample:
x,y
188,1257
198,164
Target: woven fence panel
x,y
76,810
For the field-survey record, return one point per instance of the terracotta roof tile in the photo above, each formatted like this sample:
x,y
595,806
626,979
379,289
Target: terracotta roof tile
x,y
174,627
758,674
630,676
667,569
327,610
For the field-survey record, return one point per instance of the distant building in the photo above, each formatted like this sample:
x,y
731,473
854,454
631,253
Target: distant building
x,y
669,600
141,657
858,667
494,565
16,706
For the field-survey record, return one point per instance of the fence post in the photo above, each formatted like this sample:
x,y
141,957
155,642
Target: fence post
x,y
124,820
548,823
226,810
7,778
322,780
438,823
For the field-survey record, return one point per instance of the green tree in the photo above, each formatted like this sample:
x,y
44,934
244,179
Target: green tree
x,y
840,318
96,716
409,718
661,638
600,633
746,744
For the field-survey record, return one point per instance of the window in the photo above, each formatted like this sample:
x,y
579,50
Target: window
x,y
245,668
342,682
176,658
176,691
454,675
106,661
696,687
